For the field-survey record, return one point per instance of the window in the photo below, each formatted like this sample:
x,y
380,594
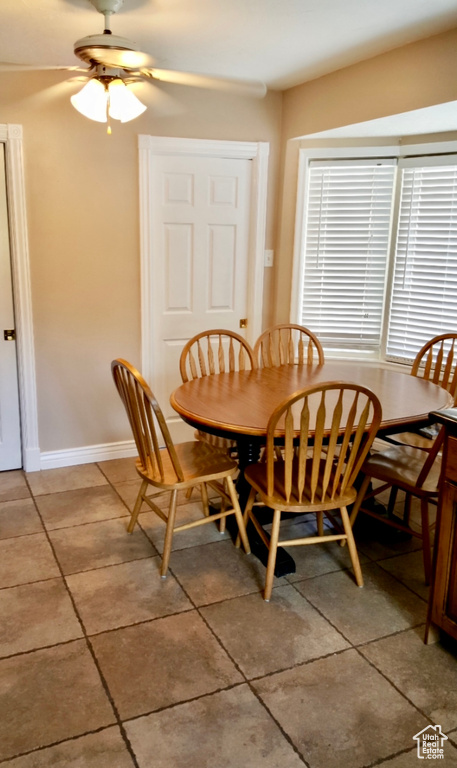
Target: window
x,y
380,253
423,299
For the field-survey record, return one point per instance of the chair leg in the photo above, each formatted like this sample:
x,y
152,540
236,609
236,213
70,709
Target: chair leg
x,y
137,507
247,510
426,546
320,523
352,547
360,497
392,500
223,520
205,502
274,537
239,516
169,534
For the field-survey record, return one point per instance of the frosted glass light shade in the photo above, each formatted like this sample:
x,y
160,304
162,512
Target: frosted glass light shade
x,y
96,100
123,104
92,100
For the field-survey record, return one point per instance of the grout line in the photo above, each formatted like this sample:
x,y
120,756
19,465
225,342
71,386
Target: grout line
x,y
87,637
5,760
245,679
92,653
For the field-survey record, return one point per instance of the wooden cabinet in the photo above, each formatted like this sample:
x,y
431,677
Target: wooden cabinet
x,y
442,610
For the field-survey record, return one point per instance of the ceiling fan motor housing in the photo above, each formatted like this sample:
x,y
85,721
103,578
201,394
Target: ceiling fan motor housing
x,y
84,47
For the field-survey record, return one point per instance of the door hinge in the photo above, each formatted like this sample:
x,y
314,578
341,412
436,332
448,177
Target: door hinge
x,y
244,322
9,335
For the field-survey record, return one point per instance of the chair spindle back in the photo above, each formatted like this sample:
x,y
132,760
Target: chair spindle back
x,y
147,422
215,351
328,431
288,344
437,362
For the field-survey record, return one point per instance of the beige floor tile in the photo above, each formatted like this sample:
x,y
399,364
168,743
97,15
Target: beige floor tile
x,y
96,750
65,479
316,559
378,540
18,518
339,711
381,607
25,559
97,544
427,674
377,547
162,662
128,491
186,513
229,729
118,595
219,571
409,569
13,485
411,760
85,505
50,695
36,615
119,470
276,635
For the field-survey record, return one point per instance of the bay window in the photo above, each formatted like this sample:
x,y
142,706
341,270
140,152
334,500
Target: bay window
x,y
379,253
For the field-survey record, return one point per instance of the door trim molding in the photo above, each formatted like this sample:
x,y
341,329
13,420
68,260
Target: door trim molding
x,y
242,150
11,136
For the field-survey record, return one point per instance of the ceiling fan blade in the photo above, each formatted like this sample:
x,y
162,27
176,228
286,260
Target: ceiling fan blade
x,y
7,66
249,87
120,58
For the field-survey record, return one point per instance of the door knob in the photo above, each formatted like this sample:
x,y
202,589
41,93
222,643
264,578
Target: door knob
x,y
244,322
9,335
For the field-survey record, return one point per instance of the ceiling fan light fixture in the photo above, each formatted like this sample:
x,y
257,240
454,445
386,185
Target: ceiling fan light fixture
x,y
123,104
92,100
106,96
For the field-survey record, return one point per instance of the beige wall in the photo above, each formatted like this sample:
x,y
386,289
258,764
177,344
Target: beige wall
x,y
417,75
83,217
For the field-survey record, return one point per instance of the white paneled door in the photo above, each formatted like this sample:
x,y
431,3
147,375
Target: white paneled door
x,y
10,432
199,225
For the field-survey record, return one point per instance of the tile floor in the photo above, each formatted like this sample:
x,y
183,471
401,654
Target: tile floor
x,y
104,665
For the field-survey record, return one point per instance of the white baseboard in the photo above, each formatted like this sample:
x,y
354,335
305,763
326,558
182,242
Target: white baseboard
x,y
87,454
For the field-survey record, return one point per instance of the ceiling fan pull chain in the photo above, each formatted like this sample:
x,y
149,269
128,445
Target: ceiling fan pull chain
x,y
108,116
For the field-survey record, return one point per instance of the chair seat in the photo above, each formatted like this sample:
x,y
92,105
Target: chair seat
x,y
401,466
198,461
257,477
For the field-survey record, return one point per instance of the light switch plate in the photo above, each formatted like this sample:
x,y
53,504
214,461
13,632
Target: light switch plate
x,y
269,258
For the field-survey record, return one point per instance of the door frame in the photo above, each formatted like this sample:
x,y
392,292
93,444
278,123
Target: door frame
x,y
11,136
150,146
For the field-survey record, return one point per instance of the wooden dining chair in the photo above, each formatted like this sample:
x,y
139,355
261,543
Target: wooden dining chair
x,y
436,361
327,430
211,352
169,467
215,351
287,344
417,473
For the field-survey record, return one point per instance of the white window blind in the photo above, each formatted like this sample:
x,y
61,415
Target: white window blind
x,y
347,223
424,290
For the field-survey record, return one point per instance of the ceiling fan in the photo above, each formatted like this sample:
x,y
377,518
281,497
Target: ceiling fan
x,y
115,62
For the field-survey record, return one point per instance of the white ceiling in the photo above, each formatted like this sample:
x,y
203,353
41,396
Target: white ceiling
x,y
281,42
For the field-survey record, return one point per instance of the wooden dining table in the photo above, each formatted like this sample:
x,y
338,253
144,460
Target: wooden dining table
x,y
238,405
